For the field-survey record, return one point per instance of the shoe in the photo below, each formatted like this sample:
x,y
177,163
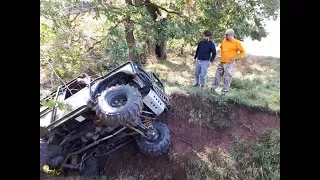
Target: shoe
x,y
202,86
212,90
196,85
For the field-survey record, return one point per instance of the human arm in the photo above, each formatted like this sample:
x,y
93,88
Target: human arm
x,y
214,52
197,51
241,50
196,54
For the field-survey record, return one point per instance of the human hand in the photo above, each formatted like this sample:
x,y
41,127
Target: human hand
x,y
232,60
209,64
194,61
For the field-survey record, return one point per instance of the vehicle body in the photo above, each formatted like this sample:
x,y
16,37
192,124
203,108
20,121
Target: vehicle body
x,y
107,113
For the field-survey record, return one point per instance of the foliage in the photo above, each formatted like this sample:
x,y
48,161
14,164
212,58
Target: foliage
x,y
246,17
54,172
262,163
52,103
78,34
67,40
220,117
266,153
255,82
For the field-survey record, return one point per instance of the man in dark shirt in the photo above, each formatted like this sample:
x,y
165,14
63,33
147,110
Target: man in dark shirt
x,y
205,55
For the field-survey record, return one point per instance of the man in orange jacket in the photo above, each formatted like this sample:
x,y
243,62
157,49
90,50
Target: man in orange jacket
x,y
229,49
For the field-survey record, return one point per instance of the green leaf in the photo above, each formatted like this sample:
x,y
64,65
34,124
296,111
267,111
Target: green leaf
x,y
51,104
69,107
61,106
43,102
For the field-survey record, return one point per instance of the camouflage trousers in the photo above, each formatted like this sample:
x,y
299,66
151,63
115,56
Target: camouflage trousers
x,y
226,70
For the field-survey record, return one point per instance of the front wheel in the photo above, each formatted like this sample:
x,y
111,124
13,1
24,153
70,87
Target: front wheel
x,y
90,167
158,146
119,105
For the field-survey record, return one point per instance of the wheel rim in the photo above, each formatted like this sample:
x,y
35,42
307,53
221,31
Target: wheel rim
x,y
154,135
118,101
82,167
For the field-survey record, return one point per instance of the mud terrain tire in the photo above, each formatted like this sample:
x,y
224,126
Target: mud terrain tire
x,y
91,167
46,152
158,147
119,105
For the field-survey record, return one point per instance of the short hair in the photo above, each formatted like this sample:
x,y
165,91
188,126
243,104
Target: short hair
x,y
230,31
207,33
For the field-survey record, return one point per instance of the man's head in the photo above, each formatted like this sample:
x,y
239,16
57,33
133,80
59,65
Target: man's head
x,y
229,34
206,35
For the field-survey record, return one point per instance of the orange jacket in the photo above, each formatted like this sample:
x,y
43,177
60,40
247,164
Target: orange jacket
x,y
229,49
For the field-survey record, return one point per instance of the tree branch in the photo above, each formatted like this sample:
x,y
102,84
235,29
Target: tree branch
x,y
97,42
95,8
48,61
168,11
75,17
172,12
119,22
53,20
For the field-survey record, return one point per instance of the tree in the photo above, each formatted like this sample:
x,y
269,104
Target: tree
x,y
104,33
186,19
129,26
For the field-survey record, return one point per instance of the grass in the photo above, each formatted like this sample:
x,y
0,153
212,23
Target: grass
x,y
220,116
255,82
167,176
75,178
211,164
126,175
262,163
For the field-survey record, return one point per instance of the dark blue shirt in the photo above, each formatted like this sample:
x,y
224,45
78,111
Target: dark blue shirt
x,y
204,50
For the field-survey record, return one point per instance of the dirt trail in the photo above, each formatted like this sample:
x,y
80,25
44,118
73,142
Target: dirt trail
x,y
186,138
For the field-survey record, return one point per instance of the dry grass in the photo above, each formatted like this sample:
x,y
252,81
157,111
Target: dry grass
x,y
215,163
256,80
220,116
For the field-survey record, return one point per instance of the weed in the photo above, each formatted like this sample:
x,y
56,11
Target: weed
x,y
222,114
168,176
255,82
262,164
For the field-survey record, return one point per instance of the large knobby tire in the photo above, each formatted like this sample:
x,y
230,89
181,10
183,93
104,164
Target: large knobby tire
x,y
91,167
44,154
47,152
158,147
119,105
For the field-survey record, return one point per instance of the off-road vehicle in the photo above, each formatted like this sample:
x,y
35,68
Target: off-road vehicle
x,y
107,113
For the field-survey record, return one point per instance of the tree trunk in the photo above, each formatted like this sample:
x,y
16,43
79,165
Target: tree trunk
x,y
163,50
151,47
128,24
151,51
131,41
137,2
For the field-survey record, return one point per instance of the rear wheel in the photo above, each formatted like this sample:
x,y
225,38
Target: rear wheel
x,y
90,167
159,144
47,152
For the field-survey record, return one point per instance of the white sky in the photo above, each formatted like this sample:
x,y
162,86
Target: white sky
x,y
269,46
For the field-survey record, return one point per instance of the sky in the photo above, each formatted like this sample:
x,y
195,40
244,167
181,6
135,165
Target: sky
x,y
269,46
